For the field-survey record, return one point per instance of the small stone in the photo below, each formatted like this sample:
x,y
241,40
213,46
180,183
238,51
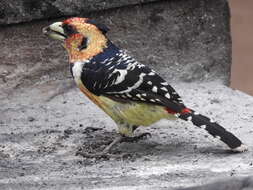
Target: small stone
x,y
68,131
215,101
31,119
5,72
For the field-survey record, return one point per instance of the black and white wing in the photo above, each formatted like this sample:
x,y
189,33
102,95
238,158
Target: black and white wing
x,y
123,78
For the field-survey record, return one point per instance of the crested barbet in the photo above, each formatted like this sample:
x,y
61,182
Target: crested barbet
x,y
131,93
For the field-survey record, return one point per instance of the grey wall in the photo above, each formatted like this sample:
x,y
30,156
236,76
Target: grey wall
x,y
186,40
27,10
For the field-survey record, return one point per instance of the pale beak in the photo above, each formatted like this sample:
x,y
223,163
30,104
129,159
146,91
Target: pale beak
x,y
55,31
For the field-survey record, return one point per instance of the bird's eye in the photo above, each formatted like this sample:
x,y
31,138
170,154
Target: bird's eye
x,y
69,30
84,44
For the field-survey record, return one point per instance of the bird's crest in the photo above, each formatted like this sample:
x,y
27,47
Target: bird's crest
x,y
103,28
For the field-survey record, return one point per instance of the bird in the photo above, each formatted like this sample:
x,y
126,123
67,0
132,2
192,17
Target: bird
x,y
131,93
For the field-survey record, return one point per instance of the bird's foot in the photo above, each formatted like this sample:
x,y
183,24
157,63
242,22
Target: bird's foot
x,y
105,153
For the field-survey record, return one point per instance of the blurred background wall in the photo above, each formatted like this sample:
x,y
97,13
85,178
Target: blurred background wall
x,y
242,44
193,36
187,40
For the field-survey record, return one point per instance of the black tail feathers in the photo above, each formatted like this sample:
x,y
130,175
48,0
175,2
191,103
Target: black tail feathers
x,y
214,129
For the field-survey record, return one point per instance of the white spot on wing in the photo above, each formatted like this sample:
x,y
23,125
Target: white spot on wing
x,y
177,114
164,89
129,89
154,89
111,68
94,84
189,118
151,74
203,126
167,95
138,95
122,75
149,82
140,65
164,83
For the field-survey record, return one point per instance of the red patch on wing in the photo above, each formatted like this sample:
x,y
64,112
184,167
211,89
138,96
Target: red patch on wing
x,y
170,111
186,110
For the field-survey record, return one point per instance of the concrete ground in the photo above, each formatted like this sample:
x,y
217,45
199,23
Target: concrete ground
x,y
40,133
44,121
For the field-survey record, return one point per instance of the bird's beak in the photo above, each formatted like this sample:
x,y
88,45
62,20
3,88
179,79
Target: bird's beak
x,y
55,31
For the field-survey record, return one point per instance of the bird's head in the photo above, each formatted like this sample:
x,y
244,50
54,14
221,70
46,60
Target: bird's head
x,y
83,38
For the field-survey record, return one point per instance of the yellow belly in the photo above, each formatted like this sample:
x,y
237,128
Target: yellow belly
x,y
134,113
130,114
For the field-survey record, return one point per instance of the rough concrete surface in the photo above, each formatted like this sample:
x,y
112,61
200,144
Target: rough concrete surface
x,y
245,183
41,133
183,40
28,10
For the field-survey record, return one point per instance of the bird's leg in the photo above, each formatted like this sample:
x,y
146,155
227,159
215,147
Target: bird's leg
x,y
119,139
135,138
123,138
105,152
114,142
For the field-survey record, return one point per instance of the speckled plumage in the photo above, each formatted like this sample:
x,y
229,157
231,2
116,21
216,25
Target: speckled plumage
x,y
117,83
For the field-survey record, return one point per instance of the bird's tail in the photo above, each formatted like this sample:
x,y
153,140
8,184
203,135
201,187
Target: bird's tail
x,y
213,128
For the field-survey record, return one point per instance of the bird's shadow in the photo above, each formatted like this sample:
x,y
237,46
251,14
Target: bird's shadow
x,y
95,141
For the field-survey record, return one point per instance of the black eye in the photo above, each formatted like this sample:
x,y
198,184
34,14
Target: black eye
x,y
83,45
69,30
